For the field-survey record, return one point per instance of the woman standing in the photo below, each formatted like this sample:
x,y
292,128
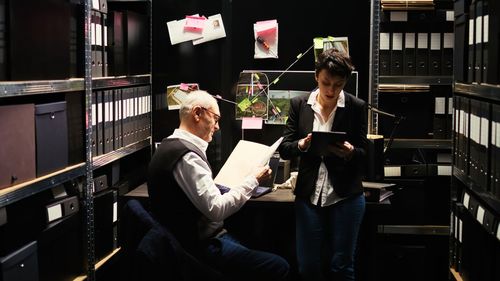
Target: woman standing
x,y
329,202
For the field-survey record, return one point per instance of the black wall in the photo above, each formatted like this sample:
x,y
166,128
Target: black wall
x,y
216,65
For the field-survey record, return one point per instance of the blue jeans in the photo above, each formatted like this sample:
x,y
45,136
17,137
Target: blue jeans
x,y
237,262
327,237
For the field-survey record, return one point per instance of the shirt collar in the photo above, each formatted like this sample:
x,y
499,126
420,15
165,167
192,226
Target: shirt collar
x,y
185,135
312,98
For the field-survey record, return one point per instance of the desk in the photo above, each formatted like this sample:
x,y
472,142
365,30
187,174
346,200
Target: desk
x,y
278,196
268,223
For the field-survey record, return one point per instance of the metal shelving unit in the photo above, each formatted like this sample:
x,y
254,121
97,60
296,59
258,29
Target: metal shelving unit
x,y
472,186
121,81
85,85
428,80
88,194
383,86
422,143
374,65
20,88
481,91
18,192
107,158
386,84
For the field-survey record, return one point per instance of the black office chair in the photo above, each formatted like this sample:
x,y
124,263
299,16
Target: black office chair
x,y
157,252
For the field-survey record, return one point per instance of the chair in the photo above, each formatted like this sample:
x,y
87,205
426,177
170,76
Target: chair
x,y
157,252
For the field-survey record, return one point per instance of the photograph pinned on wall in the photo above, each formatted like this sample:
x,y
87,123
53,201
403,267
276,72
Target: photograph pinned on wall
x,y
177,93
266,39
279,105
214,29
325,43
252,95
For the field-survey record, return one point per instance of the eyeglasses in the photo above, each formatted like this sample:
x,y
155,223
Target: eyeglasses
x,y
216,116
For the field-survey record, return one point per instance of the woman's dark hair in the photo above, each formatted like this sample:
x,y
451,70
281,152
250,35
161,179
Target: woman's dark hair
x,y
335,62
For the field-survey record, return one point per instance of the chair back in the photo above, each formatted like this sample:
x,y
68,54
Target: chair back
x,y
154,251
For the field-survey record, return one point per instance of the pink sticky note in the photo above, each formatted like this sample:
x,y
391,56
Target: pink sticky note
x,y
195,23
251,123
184,87
265,28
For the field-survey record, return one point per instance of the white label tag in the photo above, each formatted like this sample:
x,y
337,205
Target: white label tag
x,y
115,211
54,212
466,200
480,214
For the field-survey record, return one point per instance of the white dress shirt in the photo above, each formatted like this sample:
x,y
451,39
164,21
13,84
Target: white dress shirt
x,y
195,178
323,184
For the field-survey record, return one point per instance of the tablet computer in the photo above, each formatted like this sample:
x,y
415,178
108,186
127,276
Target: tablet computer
x,y
321,140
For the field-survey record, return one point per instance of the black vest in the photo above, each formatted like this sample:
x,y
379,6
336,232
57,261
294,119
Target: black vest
x,y
169,204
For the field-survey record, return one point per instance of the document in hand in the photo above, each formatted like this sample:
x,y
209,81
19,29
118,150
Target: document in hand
x,y
321,140
245,158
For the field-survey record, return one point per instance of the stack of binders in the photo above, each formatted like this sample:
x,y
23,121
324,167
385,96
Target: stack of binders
x,y
99,39
120,117
425,51
495,152
483,27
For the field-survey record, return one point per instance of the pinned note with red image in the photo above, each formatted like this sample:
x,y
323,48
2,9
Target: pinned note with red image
x,y
266,39
195,23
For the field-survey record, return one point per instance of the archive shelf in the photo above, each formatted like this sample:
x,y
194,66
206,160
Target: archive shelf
x,y
18,192
77,92
475,205
429,80
102,160
422,143
482,91
471,185
400,86
120,81
20,88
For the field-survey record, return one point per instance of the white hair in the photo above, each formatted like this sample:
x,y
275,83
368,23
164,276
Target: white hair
x,y
197,98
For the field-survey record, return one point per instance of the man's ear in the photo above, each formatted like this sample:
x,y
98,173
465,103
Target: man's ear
x,y
197,112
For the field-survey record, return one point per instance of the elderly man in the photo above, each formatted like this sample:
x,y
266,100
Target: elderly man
x,y
185,199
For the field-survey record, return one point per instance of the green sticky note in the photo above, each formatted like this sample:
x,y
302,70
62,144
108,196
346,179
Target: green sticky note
x,y
318,43
244,104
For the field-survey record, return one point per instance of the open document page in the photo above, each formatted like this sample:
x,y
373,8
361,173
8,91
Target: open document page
x,y
243,161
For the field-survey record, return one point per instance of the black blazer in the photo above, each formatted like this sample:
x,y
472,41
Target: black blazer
x,y
345,175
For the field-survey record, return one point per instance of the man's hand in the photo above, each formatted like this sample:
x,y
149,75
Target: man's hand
x,y
263,174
